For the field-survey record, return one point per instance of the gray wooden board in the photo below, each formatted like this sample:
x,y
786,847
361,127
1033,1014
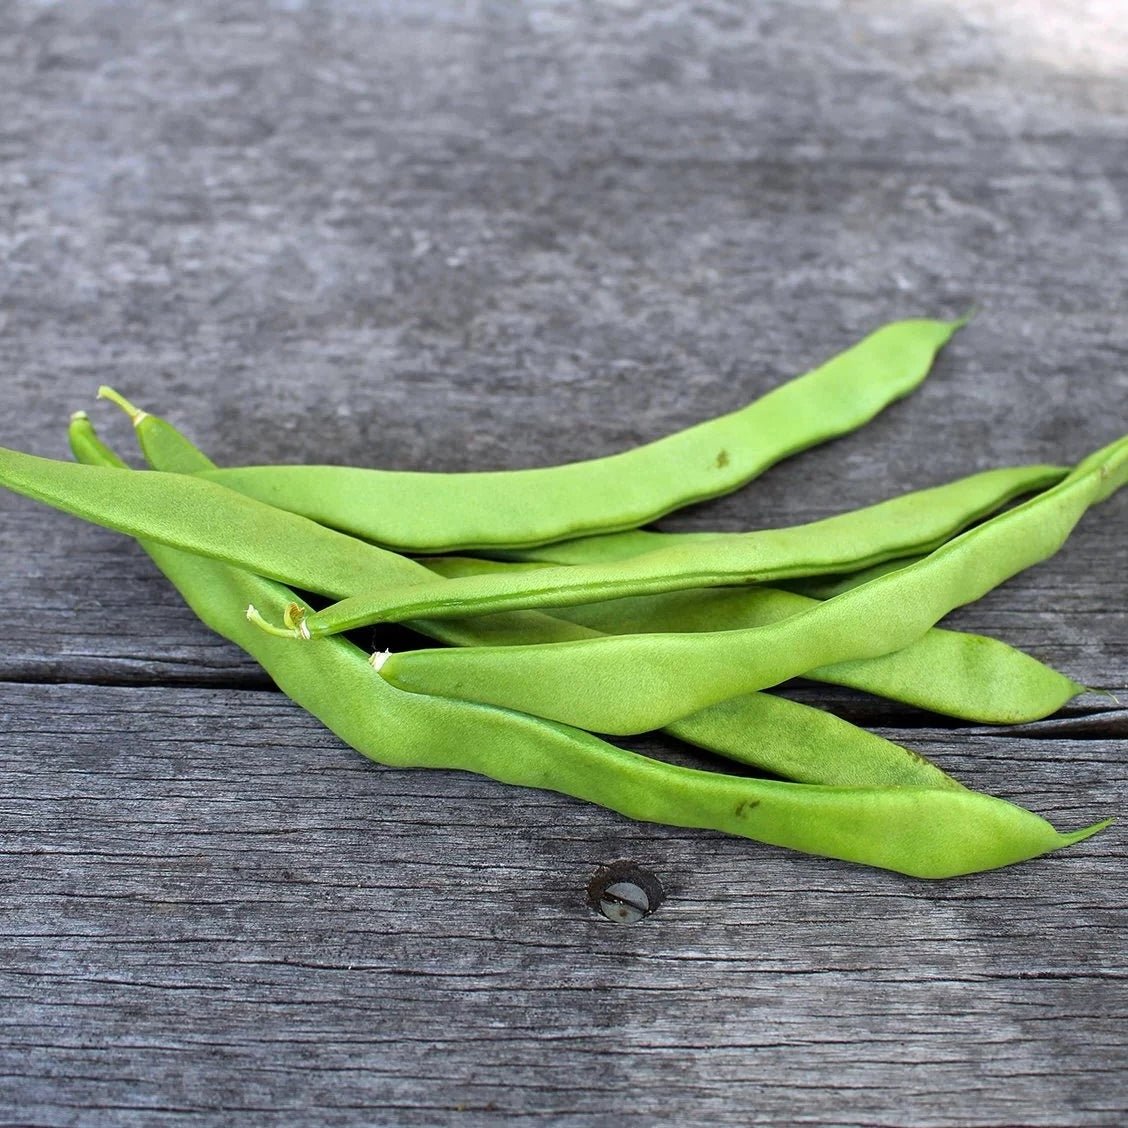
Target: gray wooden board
x,y
446,236
212,907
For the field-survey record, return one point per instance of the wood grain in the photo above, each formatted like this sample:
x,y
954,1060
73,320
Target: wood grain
x,y
445,236
213,908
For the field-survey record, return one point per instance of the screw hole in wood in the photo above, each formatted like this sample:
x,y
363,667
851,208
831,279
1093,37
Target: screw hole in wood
x,y
624,892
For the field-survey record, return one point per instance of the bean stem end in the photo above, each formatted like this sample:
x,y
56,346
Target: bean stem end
x,y
294,628
136,415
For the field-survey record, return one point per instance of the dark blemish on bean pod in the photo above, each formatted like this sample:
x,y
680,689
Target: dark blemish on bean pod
x,y
745,805
722,459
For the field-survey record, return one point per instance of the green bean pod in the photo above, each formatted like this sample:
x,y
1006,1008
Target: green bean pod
x,y
914,522
922,832
634,683
426,512
87,447
961,675
163,446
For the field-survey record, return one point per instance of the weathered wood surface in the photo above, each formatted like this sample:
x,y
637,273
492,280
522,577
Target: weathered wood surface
x,y
213,907
445,236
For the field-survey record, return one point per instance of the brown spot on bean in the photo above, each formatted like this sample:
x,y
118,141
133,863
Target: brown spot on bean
x,y
722,459
746,805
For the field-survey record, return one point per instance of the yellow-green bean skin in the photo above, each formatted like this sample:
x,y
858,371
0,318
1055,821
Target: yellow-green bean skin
x,y
181,512
87,447
827,587
190,513
634,683
186,512
427,512
947,674
805,744
960,675
194,514
926,833
603,548
914,522
785,738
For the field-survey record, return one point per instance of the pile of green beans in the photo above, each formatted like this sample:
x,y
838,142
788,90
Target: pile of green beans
x,y
561,618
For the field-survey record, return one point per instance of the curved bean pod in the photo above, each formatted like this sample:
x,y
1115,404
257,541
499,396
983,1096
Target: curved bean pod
x,y
960,675
914,522
927,833
166,448
634,683
87,447
424,512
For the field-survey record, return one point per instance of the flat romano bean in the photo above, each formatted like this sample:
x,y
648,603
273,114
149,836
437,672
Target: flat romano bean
x,y
911,523
428,512
160,502
960,675
928,833
170,508
634,683
783,737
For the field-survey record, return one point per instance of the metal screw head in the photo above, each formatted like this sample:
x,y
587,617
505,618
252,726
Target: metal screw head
x,y
624,902
624,892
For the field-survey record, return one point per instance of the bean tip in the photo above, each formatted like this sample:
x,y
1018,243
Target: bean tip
x,y
1086,832
1098,690
964,318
